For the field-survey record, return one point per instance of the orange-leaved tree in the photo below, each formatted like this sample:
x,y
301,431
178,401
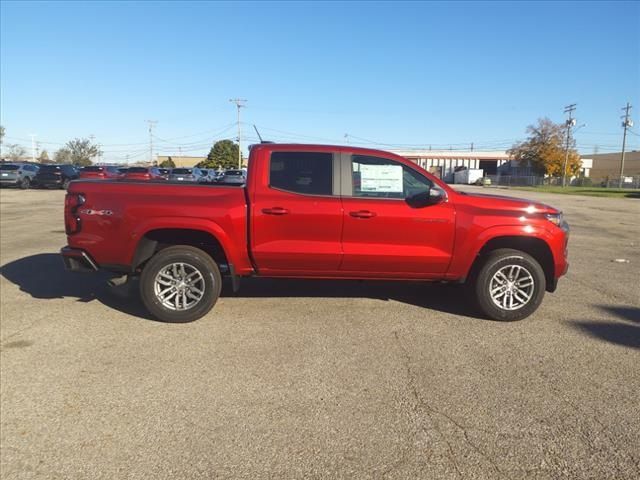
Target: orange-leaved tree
x,y
544,149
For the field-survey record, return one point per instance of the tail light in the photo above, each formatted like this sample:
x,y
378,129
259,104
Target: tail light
x,y
72,202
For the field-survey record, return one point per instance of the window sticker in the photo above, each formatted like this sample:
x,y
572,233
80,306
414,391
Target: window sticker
x,y
381,178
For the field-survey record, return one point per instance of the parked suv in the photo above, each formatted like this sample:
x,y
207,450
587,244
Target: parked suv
x,y
143,173
55,175
100,172
17,174
233,177
193,175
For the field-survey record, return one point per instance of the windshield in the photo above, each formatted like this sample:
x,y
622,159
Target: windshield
x,y
183,171
9,167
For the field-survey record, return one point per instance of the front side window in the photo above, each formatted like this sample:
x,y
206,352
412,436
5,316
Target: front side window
x,y
308,173
377,177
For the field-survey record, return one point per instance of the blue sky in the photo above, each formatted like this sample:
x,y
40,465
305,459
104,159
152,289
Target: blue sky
x,y
396,73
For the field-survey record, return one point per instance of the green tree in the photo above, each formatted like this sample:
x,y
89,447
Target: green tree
x,y
15,153
544,149
82,151
223,154
168,163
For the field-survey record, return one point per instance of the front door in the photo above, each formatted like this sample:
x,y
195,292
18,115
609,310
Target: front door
x,y
383,234
297,220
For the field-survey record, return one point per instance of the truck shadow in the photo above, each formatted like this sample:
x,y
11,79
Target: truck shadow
x,y
44,277
625,332
433,296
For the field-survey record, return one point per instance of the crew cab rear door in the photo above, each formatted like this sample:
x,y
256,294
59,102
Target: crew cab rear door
x,y
296,214
383,234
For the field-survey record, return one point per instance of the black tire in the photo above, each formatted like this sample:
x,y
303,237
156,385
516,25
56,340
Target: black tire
x,y
196,259
25,184
497,261
65,184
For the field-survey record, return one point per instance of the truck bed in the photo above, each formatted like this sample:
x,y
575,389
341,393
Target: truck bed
x,y
117,214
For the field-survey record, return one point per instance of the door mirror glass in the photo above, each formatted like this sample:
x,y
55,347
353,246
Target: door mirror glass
x,y
433,196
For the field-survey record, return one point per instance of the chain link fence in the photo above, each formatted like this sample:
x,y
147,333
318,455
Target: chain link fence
x,y
538,181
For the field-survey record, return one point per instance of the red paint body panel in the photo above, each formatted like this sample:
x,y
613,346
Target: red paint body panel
x,y
281,233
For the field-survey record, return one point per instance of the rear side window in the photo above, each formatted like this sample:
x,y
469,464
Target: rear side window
x,y
309,173
9,167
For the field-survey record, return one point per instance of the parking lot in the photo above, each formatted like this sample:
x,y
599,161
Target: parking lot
x,y
320,379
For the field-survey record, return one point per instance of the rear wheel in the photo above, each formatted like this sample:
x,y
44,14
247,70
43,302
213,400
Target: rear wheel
x,y
65,184
180,284
510,285
26,183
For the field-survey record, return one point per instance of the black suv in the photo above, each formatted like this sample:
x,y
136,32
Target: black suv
x,y
55,175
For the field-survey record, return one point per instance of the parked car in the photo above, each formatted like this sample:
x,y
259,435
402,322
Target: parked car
x,y
123,170
302,214
100,172
143,173
17,174
55,175
193,175
207,175
233,177
165,172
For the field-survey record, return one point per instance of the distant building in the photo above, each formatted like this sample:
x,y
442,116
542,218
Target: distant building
x,y
607,165
442,163
181,161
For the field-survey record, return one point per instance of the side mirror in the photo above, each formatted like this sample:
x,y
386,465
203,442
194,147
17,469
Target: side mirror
x,y
433,196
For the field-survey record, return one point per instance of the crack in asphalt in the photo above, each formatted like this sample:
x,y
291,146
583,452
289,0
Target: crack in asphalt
x,y
421,404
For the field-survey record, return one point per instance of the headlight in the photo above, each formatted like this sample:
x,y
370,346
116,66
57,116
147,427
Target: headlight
x,y
555,218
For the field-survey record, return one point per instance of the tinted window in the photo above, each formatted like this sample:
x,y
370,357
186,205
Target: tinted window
x,y
137,170
302,172
236,173
9,167
92,169
384,178
183,171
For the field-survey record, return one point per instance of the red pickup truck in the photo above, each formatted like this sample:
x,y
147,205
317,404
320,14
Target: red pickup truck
x,y
315,211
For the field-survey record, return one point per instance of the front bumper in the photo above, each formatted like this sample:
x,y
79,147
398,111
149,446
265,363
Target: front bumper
x,y
76,260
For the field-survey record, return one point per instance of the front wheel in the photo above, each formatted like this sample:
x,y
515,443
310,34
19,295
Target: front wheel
x,y
180,284
510,285
25,184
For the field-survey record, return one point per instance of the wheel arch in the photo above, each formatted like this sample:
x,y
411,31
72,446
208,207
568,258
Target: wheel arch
x,y
156,239
537,247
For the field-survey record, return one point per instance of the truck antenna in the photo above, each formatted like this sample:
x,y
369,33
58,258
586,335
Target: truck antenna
x,y
256,129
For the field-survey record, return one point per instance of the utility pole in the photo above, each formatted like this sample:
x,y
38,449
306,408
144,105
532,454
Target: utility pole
x,y
472,146
569,124
346,138
152,124
33,147
626,123
239,104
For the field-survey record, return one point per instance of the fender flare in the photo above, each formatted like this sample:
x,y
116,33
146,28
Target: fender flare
x,y
200,224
